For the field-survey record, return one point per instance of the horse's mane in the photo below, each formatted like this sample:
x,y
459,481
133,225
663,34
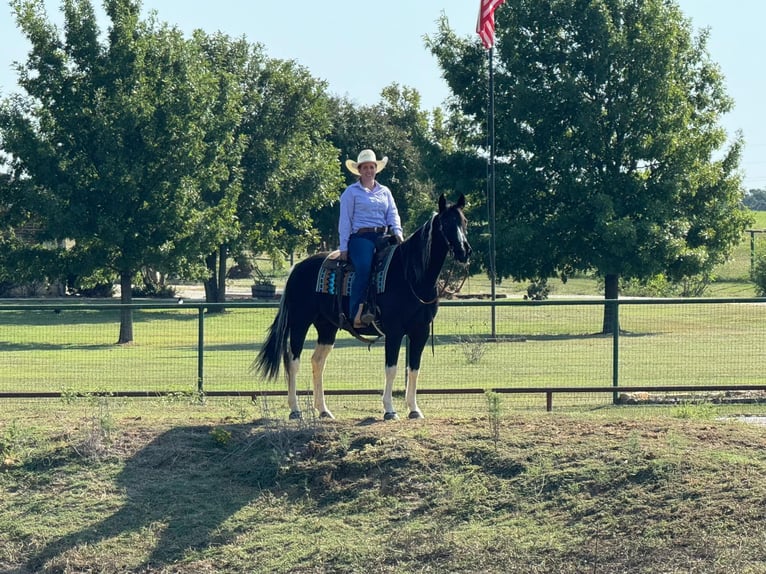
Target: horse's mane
x,y
416,251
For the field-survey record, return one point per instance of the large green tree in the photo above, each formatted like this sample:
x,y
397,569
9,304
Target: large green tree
x,y
114,135
285,167
290,167
611,153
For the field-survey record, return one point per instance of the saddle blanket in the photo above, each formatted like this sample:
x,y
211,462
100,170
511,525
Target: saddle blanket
x,y
336,276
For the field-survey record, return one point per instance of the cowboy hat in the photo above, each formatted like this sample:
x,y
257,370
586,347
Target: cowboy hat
x,y
366,156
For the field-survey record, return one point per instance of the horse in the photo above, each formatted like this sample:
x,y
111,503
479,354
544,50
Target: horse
x,y
407,306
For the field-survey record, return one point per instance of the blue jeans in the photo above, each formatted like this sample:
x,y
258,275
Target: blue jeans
x,y
361,249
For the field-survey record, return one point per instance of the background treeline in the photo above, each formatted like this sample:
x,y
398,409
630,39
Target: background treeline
x,y
755,199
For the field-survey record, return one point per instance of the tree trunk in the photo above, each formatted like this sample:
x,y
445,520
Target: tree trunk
x,y
223,255
611,291
211,283
126,313
215,284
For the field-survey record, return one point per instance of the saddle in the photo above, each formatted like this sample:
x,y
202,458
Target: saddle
x,y
336,277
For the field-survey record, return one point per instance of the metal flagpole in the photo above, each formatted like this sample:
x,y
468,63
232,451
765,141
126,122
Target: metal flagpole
x,y
491,187
485,27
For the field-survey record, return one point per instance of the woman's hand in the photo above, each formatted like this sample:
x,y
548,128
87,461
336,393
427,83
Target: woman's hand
x,y
344,255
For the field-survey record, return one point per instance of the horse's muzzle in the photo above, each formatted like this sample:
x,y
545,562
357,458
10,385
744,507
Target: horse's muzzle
x,y
464,253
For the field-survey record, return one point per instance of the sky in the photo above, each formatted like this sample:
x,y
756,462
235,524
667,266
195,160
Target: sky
x,y
360,47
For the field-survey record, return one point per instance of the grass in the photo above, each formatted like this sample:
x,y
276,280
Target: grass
x,y
594,491
538,345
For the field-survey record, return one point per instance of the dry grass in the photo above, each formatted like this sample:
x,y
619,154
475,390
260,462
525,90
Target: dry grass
x,y
590,492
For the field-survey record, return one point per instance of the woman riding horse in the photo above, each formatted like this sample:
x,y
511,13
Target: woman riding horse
x,y
407,306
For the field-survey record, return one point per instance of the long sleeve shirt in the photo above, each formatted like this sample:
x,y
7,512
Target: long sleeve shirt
x,y
361,207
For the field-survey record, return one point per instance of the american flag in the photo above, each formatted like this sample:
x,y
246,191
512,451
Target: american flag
x,y
485,25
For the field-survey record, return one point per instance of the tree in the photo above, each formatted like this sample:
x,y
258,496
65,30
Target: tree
x,y
611,156
290,168
114,136
229,60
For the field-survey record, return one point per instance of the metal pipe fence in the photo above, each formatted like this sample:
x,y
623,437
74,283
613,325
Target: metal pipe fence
x,y
676,346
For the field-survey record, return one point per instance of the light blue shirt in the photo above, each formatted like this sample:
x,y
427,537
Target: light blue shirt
x,y
362,207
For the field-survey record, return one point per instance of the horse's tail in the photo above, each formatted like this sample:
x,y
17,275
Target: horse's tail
x,y
274,349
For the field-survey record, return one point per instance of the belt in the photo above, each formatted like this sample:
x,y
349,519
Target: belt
x,y
372,229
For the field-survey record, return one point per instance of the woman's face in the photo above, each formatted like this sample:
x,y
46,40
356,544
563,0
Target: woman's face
x,y
367,169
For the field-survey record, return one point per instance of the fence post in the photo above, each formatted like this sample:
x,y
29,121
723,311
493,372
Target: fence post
x,y
200,347
615,350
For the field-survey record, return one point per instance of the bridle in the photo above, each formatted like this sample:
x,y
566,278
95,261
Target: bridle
x,y
451,251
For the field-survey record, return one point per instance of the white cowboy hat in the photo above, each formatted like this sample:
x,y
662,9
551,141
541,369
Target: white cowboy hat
x,y
366,156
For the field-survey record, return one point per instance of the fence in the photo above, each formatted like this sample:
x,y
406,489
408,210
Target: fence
x,y
540,348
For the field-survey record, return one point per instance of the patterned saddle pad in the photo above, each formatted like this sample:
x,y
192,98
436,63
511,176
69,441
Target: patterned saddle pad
x,y
336,276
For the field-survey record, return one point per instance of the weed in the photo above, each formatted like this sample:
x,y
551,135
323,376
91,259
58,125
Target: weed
x,y
694,411
493,408
537,474
221,437
14,444
98,436
473,348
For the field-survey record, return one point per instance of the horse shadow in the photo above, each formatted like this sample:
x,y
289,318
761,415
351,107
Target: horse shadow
x,y
181,487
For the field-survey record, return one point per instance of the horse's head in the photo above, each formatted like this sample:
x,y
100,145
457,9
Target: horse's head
x,y
454,228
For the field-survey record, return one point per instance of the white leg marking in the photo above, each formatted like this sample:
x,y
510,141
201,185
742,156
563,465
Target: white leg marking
x,y
388,400
292,377
411,395
318,360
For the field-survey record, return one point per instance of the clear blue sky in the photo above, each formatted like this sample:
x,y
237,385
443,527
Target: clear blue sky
x,y
360,47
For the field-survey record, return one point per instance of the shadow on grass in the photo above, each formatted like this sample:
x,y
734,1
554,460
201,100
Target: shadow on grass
x,y
178,490
439,340
138,347
78,316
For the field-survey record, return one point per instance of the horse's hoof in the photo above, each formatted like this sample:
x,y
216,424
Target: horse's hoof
x,y
326,415
392,416
416,415
296,415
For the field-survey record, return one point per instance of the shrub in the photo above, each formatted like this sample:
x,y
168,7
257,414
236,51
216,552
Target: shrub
x,y
758,275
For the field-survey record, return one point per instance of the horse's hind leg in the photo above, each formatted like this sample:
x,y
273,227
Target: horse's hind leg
x,y
292,363
326,333
292,367
393,343
418,340
318,360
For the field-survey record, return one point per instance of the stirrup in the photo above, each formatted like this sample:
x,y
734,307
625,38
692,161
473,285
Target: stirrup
x,y
367,317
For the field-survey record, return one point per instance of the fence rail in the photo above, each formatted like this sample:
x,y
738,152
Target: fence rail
x,y
555,346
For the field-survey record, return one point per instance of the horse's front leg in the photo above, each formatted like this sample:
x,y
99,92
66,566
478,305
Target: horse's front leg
x,y
318,360
411,394
393,343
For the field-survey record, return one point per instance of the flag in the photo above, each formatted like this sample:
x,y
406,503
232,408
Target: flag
x,y
485,25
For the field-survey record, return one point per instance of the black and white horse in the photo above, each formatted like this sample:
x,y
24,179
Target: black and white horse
x,y
406,306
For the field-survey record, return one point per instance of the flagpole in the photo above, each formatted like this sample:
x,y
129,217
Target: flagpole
x,y
485,27
491,188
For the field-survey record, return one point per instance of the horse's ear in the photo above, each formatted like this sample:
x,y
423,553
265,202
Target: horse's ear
x,y
442,203
461,202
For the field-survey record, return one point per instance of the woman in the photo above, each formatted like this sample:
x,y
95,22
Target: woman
x,y
367,211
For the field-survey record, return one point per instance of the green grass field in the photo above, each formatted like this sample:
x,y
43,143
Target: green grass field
x,y
550,344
